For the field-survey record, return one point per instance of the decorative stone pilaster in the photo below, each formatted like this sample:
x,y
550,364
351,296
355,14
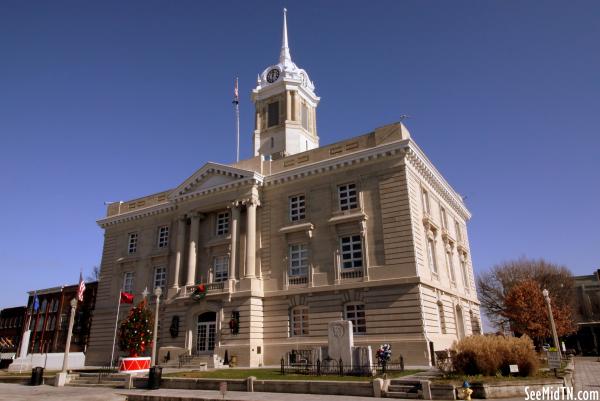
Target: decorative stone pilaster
x,y
251,239
193,249
235,233
181,223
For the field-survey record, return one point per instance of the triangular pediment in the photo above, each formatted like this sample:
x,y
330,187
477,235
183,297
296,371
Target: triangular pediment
x,y
211,176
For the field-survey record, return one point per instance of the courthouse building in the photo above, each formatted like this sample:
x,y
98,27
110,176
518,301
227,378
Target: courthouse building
x,y
366,229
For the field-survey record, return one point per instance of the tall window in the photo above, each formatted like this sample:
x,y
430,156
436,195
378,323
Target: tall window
x,y
273,114
299,321
221,268
347,196
444,218
298,259
223,223
132,243
163,236
450,266
458,232
297,207
304,116
355,312
160,277
128,281
441,317
351,251
475,326
425,198
465,274
431,255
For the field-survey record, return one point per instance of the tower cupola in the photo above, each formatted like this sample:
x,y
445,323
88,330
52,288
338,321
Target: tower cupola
x,y
285,105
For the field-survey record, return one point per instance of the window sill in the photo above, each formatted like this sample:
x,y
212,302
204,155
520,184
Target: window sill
x,y
220,240
160,252
298,227
347,216
128,258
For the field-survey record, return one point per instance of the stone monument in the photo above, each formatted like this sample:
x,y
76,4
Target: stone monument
x,y
341,341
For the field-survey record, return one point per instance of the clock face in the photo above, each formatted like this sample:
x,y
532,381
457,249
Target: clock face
x,y
272,75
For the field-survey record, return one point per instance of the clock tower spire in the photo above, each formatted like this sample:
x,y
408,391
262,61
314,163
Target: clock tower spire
x,y
284,55
285,103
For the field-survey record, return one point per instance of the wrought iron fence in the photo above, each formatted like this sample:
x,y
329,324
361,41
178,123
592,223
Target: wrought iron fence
x,y
331,367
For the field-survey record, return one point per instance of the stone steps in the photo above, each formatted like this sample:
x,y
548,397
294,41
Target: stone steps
x,y
94,380
107,385
392,394
399,388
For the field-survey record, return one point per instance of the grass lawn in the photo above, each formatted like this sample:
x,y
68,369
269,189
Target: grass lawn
x,y
273,374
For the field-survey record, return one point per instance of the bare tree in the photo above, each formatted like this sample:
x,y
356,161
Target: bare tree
x,y
495,284
94,275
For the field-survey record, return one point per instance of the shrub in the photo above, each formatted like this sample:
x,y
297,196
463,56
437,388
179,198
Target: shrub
x,y
492,355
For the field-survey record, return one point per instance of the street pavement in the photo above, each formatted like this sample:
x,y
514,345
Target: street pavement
x,y
587,373
587,377
19,392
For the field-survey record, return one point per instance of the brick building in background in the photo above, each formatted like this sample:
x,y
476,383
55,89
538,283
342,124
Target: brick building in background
x,y
11,329
50,323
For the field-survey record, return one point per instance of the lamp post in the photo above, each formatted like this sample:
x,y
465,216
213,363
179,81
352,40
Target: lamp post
x,y
157,293
68,345
546,295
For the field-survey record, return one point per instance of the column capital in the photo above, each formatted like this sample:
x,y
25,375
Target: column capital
x,y
234,204
251,200
196,215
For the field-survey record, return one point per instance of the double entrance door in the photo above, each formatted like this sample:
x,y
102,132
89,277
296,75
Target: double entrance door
x,y
206,333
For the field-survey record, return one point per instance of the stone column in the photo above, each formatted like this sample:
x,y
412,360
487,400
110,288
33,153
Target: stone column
x,y
193,248
288,103
251,205
235,230
181,223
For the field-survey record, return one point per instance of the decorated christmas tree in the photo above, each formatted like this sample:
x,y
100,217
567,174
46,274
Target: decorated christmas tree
x,y
135,332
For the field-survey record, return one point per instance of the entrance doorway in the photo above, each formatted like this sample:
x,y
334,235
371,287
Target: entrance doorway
x,y
206,333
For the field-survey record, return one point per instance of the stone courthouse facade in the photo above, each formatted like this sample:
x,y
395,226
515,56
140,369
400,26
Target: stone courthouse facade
x,y
366,230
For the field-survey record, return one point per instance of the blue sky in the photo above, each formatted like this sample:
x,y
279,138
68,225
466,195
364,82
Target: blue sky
x,y
110,100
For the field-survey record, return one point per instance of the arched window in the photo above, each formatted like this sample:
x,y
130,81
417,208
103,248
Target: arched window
x,y
355,312
441,317
299,321
44,305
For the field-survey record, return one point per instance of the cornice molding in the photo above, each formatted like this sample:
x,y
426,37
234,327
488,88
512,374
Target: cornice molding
x,y
331,164
137,214
416,158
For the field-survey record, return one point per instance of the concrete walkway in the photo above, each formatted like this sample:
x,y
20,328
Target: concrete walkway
x,y
19,392
587,373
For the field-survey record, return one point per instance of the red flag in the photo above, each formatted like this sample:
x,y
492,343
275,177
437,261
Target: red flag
x,y
81,288
126,298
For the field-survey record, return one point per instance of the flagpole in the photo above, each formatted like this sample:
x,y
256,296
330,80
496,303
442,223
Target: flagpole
x,y
236,102
112,355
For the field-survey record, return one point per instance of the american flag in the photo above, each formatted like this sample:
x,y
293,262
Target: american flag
x,y
81,288
236,94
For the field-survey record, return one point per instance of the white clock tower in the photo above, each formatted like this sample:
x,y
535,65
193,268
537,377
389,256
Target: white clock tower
x,y
285,101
